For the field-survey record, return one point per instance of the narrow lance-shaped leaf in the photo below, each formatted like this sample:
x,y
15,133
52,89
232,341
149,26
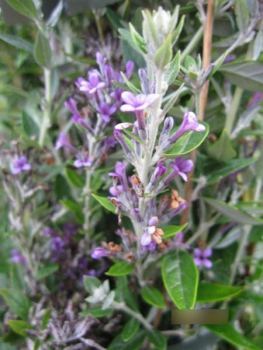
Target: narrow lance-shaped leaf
x,y
25,7
105,202
171,73
43,54
209,292
242,15
19,43
138,39
121,268
163,55
130,329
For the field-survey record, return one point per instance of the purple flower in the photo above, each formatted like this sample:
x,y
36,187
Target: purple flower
x,y
99,252
85,161
159,171
181,167
92,85
115,191
129,154
17,258
116,94
106,110
149,247
190,122
62,141
167,127
129,69
19,165
137,102
71,105
229,59
143,75
152,232
178,241
78,120
200,257
255,100
120,174
48,232
100,59
108,143
57,244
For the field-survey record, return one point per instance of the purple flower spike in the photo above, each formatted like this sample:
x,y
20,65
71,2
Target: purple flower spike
x,y
138,102
71,104
159,171
17,258
62,141
83,162
19,165
190,122
181,167
106,110
99,252
201,256
120,173
92,85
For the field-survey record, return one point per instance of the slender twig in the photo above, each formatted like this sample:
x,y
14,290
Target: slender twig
x,y
47,107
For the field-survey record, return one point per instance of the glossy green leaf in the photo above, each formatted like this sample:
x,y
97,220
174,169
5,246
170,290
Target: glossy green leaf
x,y
123,293
19,327
153,297
242,15
232,212
61,186
75,207
91,283
174,67
180,277
29,125
43,54
210,292
17,42
25,7
121,268
170,231
46,271
74,178
227,168
96,312
247,75
130,329
222,150
227,332
18,302
133,344
163,55
188,142
157,339
105,202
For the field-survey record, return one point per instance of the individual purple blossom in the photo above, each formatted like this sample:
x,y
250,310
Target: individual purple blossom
x,y
17,257
137,102
178,241
71,105
144,80
129,69
151,247
200,257
108,143
57,245
78,120
190,122
118,135
120,174
115,191
229,59
151,232
19,165
99,252
159,171
62,141
106,110
181,167
48,232
167,217
93,85
255,101
85,161
147,236
167,127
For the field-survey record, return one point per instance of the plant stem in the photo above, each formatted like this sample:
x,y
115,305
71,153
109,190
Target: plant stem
x,y
86,193
139,317
192,44
47,109
230,119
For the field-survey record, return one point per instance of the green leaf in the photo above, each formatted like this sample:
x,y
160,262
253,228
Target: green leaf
x,y
133,344
18,302
227,168
61,186
180,277
170,231
130,85
91,283
227,332
55,15
187,143
18,42
45,319
217,65
138,39
75,207
19,327
96,312
132,135
222,150
114,18
123,293
163,55
29,125
25,7
232,212
121,268
105,202
242,15
210,292
126,36
153,297
43,54
157,339
171,73
130,329
46,271
247,75
74,178
178,30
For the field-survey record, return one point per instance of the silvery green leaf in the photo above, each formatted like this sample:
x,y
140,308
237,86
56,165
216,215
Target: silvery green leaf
x,y
231,237
174,19
257,45
43,54
55,15
108,301
106,286
242,15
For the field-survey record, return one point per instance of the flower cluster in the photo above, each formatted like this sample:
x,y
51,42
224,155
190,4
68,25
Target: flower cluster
x,y
103,100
